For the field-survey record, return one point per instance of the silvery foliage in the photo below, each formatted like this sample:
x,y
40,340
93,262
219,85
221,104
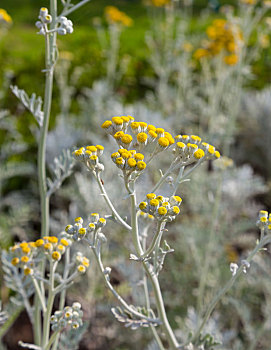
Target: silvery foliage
x,y
61,169
3,315
17,282
70,340
213,336
129,320
259,278
17,210
32,103
256,127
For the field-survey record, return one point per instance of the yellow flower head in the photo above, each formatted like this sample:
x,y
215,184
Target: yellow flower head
x,y
52,239
24,259
139,156
141,165
126,139
143,205
199,153
131,162
115,16
56,256
81,269
82,231
163,142
64,242
162,211
154,203
142,137
231,60
5,17
15,261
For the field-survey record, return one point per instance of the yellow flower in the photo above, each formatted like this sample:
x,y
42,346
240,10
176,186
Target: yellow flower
x,y
160,3
200,53
163,142
64,242
56,256
114,15
141,165
81,269
52,239
4,16
15,261
231,60
24,259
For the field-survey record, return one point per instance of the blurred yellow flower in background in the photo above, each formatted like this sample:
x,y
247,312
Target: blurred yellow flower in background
x,y
4,16
114,15
223,36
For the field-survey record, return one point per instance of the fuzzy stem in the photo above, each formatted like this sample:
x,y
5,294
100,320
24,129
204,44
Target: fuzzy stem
x,y
74,7
114,292
62,297
109,203
153,278
50,302
153,242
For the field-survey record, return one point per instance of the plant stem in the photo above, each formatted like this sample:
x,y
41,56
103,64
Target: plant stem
x,y
62,296
50,56
161,308
153,242
154,280
38,294
146,292
75,7
109,203
155,334
50,302
114,292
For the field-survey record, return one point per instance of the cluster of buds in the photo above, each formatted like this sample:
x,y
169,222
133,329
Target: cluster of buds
x,y
44,19
190,148
24,255
146,216
71,315
77,231
81,262
128,160
65,25
264,221
162,208
89,155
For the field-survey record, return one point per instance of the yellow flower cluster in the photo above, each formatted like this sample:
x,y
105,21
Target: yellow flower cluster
x,y
160,3
82,263
264,221
128,160
190,148
114,15
24,254
89,155
248,2
77,231
223,36
132,136
5,17
162,208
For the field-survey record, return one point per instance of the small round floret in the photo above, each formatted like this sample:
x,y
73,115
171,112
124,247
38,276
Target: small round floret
x,y
141,165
